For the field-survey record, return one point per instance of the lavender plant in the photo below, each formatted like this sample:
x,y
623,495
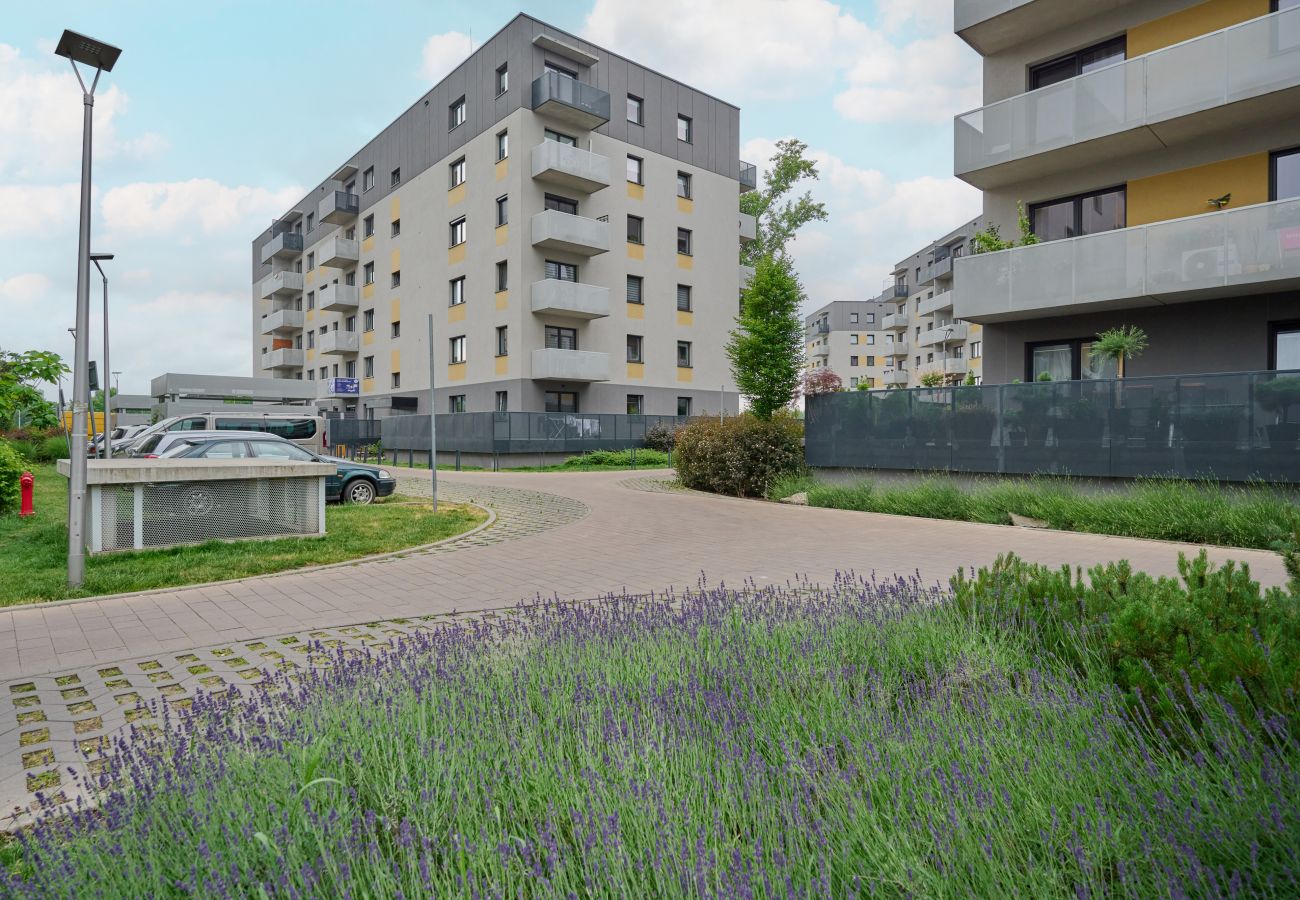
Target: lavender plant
x,y
863,738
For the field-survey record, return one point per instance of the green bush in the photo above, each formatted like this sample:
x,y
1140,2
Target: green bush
x,y
12,466
661,437
741,455
616,459
53,449
1215,628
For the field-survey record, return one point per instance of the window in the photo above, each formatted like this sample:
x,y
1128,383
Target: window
x,y
368,320
368,179
871,318
350,369
503,401
634,109
634,289
683,354
1082,214
311,261
503,210
324,372
684,185
503,276
1284,345
457,173
559,138
368,226
368,276
456,403
636,404
853,382
635,230
367,368
503,145
634,164
683,406
457,232
684,128
634,344
871,339
561,402
311,299
503,346
853,361
503,79
457,352
684,241
350,278
397,379
1066,360
395,177
853,318
456,114
561,271
871,360
311,221
311,340
1075,64
396,228
397,278
853,339
456,291
559,70
396,329
225,450
976,348
558,338
1284,175
683,298
562,204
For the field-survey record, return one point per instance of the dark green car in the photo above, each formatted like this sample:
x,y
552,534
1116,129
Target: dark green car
x,y
352,482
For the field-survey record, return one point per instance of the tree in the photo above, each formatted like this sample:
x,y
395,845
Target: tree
x,y
97,402
1120,344
778,215
766,349
820,381
21,403
931,379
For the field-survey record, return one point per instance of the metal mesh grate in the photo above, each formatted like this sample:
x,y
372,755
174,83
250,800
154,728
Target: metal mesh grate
x,y
160,515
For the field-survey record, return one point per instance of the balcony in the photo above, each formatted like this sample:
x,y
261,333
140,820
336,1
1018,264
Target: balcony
x,y
993,25
284,358
940,268
281,284
746,275
821,328
822,351
337,207
338,343
553,364
569,100
555,230
282,321
748,177
338,388
894,378
567,166
953,333
897,348
1238,77
554,297
1255,249
748,228
285,245
894,322
955,366
335,297
897,291
338,253
937,303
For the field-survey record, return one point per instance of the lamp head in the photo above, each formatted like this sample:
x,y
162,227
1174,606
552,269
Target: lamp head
x,y
97,257
87,50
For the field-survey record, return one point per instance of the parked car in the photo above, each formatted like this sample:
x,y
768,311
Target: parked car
x,y
306,430
153,446
352,482
123,437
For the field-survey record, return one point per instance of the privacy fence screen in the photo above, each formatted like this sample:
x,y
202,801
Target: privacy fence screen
x,y
1231,427
519,432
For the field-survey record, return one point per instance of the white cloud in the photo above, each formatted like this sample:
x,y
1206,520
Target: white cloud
x,y
442,53
22,291
928,16
37,210
926,80
184,208
188,331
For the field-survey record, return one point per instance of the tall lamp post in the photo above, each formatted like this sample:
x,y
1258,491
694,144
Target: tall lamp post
x,y
77,48
97,258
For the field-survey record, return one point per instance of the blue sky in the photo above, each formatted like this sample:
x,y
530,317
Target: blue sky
x,y
218,116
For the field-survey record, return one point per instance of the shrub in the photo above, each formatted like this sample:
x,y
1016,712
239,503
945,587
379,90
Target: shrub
x,y
1215,630
616,459
742,455
12,466
661,437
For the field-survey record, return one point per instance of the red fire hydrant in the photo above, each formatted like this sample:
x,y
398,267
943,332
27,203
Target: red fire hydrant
x,y
27,482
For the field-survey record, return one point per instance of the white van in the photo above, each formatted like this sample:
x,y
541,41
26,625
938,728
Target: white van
x,y
307,430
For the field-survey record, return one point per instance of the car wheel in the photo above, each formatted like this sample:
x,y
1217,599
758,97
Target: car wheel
x,y
359,491
197,501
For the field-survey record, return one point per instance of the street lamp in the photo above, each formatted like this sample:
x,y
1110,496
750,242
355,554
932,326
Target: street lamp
x,y
97,258
77,48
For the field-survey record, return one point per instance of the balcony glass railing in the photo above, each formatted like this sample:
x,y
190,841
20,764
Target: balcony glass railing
x,y
570,99
748,176
1236,63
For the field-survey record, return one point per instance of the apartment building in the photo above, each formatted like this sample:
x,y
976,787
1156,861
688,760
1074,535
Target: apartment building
x,y
845,337
1155,146
568,217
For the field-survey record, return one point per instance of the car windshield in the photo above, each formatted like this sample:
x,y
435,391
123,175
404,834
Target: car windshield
x,y
281,450
175,450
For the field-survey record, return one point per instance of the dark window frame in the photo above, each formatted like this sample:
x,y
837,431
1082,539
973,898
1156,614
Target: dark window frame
x,y
1076,355
640,348
1034,70
640,109
1272,170
640,290
640,229
1077,201
1274,329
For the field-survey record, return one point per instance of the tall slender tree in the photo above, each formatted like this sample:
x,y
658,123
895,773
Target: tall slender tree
x,y
778,214
766,349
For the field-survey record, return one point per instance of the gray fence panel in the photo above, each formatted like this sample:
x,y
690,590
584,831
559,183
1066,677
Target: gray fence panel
x,y
519,432
1232,427
352,432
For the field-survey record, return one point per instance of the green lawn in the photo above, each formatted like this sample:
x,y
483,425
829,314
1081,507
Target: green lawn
x,y
593,461
33,552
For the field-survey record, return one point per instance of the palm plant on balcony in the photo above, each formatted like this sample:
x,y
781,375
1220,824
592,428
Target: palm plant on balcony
x,y
1120,344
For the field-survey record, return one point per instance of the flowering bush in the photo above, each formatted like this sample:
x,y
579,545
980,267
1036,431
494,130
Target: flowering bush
x,y
820,381
742,455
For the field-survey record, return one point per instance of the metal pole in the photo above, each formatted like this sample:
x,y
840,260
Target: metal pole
x,y
108,388
433,423
721,402
81,357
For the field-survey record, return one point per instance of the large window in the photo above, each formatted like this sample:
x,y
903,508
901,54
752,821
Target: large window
x,y
560,138
1284,345
559,70
562,204
1075,64
561,401
561,271
1082,214
1284,171
558,338
456,403
635,404
1068,360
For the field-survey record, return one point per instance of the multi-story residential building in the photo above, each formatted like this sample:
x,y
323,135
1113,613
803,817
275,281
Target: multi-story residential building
x,y
845,337
1155,147
495,203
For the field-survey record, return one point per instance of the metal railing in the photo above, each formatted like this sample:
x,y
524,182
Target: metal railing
x,y
748,176
590,105
1232,427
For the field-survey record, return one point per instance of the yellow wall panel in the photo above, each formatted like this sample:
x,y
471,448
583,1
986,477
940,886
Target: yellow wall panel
x,y
636,370
311,276
636,310
367,338
456,255
685,318
636,191
395,310
367,385
311,354
395,209
685,374
456,195
456,372
456,313
311,314
1172,195
1192,22
395,361
502,234
684,261
503,299
502,169
503,365
395,261
685,206
636,251
368,245
367,291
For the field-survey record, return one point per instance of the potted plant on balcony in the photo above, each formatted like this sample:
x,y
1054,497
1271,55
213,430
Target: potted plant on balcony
x,y
1279,395
1120,344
